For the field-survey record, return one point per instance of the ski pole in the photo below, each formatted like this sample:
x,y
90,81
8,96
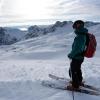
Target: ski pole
x,y
72,80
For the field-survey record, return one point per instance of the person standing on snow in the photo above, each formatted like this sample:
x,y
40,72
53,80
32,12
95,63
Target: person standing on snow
x,y
77,53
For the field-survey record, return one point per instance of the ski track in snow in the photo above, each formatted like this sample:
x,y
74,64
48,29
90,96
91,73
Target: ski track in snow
x,y
25,64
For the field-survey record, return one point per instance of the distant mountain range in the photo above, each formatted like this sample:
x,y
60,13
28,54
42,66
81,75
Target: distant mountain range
x,y
15,34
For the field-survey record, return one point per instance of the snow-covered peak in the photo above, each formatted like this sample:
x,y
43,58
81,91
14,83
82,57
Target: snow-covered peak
x,y
14,34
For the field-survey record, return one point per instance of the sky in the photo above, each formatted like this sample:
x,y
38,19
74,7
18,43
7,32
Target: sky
x,y
29,11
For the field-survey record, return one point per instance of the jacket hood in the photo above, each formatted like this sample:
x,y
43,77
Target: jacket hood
x,y
81,31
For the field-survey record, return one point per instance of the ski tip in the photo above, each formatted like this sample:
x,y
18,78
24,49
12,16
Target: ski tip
x,y
49,75
52,76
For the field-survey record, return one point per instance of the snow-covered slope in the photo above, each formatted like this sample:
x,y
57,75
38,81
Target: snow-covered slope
x,y
25,64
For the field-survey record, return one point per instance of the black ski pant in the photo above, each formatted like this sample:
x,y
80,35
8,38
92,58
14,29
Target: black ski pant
x,y
75,72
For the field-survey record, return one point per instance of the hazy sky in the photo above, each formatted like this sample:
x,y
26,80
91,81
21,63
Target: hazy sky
x,y
15,11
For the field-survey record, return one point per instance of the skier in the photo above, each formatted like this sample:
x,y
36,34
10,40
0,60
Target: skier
x,y
77,54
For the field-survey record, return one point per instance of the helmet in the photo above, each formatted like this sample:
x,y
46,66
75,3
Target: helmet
x,y
78,24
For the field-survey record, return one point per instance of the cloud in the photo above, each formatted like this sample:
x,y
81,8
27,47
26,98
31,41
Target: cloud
x,y
77,9
8,7
20,10
1,3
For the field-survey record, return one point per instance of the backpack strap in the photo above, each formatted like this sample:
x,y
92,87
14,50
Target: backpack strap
x,y
87,39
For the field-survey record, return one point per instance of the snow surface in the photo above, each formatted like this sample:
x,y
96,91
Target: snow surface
x,y
25,64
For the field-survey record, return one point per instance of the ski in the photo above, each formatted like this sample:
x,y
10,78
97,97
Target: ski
x,y
68,80
50,84
84,91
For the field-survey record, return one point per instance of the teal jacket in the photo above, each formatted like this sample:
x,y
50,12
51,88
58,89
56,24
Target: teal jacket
x,y
79,44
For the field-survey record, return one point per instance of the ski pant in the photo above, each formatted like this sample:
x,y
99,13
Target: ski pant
x,y
75,72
